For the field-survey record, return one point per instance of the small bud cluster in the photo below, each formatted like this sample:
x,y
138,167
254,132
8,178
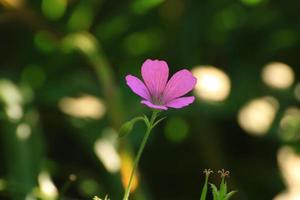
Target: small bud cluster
x,y
223,173
219,193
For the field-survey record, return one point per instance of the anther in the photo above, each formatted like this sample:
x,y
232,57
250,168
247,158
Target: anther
x,y
207,172
224,173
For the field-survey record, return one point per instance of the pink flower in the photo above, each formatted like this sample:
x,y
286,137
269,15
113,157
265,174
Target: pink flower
x,y
159,93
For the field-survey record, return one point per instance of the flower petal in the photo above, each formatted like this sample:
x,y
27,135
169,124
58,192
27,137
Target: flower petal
x,y
180,83
151,105
155,75
137,86
181,102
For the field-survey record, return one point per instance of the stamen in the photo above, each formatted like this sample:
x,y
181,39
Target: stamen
x,y
224,173
207,172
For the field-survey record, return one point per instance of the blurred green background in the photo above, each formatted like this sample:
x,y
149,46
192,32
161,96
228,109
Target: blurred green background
x,y
63,97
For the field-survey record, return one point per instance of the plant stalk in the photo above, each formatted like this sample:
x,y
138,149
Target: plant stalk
x,y
139,154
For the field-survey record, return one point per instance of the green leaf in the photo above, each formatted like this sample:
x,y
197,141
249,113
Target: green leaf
x,y
215,192
223,188
204,192
127,127
204,189
229,195
54,9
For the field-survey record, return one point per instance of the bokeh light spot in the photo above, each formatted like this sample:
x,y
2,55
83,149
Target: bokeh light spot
x,y
89,187
278,75
14,4
289,164
86,106
297,91
288,195
83,41
290,124
47,187
176,129
256,117
126,167
212,83
12,98
23,131
3,184
106,151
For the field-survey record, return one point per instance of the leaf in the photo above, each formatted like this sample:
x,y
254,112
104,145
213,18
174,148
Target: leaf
x,y
223,188
215,192
127,127
229,195
204,192
204,189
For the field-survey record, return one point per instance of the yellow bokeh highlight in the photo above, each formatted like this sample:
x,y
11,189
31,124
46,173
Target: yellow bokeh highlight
x,y
12,98
82,41
289,164
47,187
212,83
126,168
86,106
105,149
256,117
278,75
287,196
23,131
297,91
13,4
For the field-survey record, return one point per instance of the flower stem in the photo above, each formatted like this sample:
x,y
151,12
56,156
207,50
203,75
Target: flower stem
x,y
140,151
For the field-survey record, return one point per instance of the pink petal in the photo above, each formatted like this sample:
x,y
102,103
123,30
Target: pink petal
x,y
180,83
181,102
155,74
151,105
137,86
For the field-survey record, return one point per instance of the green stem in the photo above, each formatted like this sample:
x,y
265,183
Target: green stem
x,y
139,154
204,189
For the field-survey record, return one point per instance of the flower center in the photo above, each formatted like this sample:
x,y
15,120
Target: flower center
x,y
157,99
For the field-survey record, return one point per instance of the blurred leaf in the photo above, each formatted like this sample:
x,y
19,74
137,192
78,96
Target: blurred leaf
x,y
140,43
34,76
54,9
82,41
252,2
142,6
82,17
176,129
45,42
